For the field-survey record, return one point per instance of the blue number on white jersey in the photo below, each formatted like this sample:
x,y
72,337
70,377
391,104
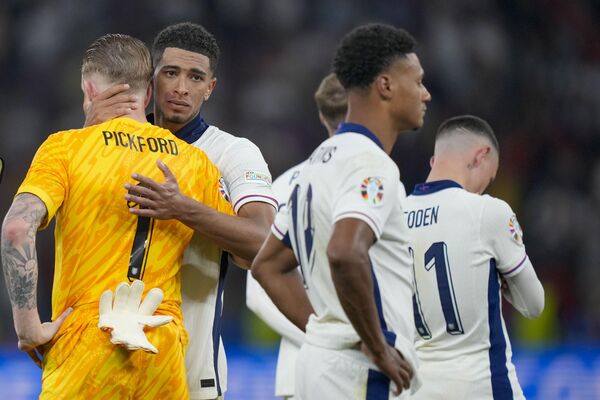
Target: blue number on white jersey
x,y
302,248
436,257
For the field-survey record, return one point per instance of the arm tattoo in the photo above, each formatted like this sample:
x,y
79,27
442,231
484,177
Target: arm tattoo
x,y
19,256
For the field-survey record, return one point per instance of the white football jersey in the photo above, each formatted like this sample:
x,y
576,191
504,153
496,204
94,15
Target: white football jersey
x,y
258,300
350,176
462,243
246,179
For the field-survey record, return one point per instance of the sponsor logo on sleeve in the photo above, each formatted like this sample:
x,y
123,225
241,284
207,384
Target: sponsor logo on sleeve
x,y
254,176
515,229
371,190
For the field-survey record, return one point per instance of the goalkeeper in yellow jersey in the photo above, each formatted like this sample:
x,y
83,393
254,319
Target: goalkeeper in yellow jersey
x,y
79,177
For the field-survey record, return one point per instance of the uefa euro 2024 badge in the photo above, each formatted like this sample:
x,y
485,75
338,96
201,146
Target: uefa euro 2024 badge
x,y
515,229
371,190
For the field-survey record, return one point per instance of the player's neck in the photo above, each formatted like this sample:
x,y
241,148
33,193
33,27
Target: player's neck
x,y
138,114
447,171
370,119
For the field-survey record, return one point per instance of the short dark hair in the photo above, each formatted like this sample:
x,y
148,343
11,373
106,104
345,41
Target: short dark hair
x,y
187,36
468,124
367,51
332,101
119,58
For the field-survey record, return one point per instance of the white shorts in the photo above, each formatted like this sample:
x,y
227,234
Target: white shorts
x,y
449,383
339,374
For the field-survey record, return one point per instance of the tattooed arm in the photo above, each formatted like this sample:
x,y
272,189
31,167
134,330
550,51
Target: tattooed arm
x,y
19,262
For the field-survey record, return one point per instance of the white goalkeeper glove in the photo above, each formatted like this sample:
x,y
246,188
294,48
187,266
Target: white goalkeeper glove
x,y
126,317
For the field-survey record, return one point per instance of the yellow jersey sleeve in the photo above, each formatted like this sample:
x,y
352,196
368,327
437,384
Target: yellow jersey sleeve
x,y
47,177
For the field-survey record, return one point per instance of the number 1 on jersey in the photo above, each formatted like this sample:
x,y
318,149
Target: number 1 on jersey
x,y
302,225
140,248
436,257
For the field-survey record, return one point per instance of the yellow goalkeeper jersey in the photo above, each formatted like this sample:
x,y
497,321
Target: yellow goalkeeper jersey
x,y
80,176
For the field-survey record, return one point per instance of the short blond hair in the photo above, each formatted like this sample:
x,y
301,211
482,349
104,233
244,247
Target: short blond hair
x,y
332,101
120,59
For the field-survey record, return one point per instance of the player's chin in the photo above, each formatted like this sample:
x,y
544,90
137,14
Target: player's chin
x,y
418,123
176,118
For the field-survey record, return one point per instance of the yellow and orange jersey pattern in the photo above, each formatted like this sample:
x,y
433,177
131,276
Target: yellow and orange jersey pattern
x,y
80,176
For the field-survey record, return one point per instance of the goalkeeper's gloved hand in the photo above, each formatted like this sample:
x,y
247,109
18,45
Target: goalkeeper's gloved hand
x,y
126,317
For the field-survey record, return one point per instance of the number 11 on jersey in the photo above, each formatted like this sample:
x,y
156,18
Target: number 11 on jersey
x,y
436,258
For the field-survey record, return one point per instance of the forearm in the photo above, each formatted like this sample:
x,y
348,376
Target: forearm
x,y
19,263
525,292
259,302
236,234
354,287
19,260
288,294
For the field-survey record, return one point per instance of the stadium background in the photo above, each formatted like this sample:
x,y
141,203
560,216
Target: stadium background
x,y
531,68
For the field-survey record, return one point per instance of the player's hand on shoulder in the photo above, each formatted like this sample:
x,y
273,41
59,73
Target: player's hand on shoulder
x,y
111,103
393,365
125,318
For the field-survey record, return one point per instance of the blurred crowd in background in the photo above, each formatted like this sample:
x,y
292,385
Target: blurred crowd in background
x,y
530,68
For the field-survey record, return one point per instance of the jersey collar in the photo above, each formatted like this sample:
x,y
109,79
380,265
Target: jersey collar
x,y
191,132
346,127
435,186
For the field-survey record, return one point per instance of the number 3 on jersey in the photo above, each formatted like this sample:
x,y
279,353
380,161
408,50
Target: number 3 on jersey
x,y
303,230
436,258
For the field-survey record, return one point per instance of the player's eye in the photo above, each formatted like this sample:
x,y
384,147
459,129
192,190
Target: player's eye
x,y
169,73
197,78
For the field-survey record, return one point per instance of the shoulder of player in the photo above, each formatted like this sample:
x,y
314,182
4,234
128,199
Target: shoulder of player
x,y
223,146
495,209
227,139
288,173
373,158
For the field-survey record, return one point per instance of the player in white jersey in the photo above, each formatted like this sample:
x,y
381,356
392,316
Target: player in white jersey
x,y
332,106
464,246
346,228
185,58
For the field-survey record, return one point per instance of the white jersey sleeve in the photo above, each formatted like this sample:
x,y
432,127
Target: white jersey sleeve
x,y
525,292
368,191
246,175
502,232
280,226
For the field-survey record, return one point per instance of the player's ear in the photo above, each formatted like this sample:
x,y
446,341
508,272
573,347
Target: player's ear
x,y
480,155
383,85
89,89
431,161
211,86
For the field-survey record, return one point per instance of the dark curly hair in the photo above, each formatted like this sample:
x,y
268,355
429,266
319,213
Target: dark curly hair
x,y
367,51
187,36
